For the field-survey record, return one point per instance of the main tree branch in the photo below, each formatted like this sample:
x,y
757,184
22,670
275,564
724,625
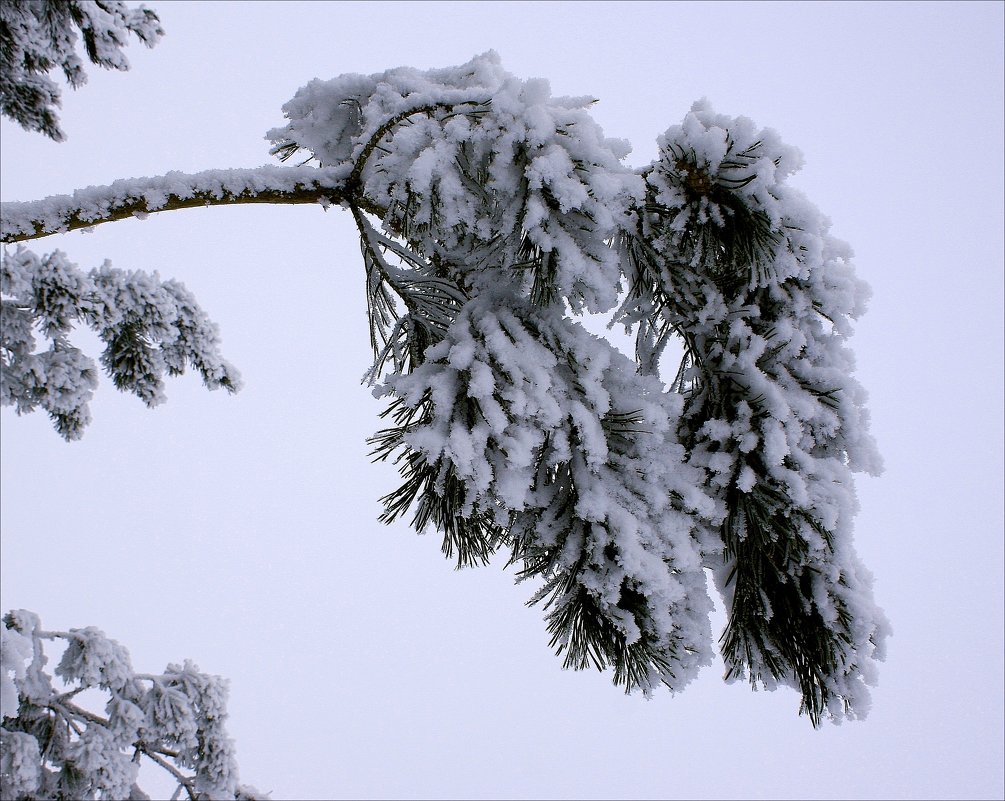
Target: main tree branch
x,y
137,197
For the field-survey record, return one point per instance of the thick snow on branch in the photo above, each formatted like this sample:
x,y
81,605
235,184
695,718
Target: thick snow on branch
x,y
551,434
492,176
743,266
136,197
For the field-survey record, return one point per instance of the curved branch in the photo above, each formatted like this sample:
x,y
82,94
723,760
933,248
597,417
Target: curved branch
x,y
137,197
387,127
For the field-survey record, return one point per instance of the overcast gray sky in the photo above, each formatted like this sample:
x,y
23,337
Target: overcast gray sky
x,y
240,531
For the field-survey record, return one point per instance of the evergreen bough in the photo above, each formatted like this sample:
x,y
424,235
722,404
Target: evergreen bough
x,y
490,215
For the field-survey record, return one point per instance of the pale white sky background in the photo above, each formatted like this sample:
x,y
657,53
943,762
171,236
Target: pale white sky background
x,y
240,531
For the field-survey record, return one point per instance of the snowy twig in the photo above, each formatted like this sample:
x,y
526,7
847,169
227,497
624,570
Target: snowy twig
x,y
70,710
181,778
138,197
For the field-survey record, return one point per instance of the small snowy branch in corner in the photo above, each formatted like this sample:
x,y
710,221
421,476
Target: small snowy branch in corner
x,y
52,748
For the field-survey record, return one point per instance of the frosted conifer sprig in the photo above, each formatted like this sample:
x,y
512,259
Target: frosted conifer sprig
x,y
742,268
486,176
520,203
149,328
39,36
54,747
521,430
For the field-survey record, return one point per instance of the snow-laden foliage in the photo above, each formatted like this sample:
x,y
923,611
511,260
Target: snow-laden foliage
x,y
38,36
54,746
148,327
739,265
521,429
489,213
503,209
487,177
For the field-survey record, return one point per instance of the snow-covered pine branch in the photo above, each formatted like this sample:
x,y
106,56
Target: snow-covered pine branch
x,y
523,431
53,747
138,197
518,200
488,212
